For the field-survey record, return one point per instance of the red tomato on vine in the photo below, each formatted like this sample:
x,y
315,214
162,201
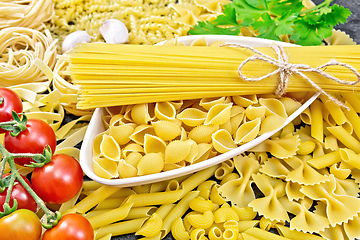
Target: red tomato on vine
x,y
71,226
59,180
33,139
22,196
9,101
22,224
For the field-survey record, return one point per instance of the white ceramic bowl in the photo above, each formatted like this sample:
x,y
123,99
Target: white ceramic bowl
x,y
96,126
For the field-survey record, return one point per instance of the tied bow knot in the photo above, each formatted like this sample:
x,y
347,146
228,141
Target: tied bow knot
x,y
286,69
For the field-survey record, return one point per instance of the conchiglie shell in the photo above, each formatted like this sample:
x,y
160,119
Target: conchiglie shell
x,y
271,123
109,148
247,131
291,105
273,106
133,158
177,151
126,170
245,213
306,147
204,152
172,166
116,120
222,141
132,147
177,104
245,101
178,230
183,136
218,114
154,144
207,103
202,133
105,168
152,226
127,113
165,111
236,121
142,113
236,110
139,133
192,116
166,130
226,126
150,163
253,112
122,133
194,151
96,144
199,42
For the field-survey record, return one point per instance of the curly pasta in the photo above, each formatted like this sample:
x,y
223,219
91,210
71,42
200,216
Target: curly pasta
x,y
28,13
148,21
19,48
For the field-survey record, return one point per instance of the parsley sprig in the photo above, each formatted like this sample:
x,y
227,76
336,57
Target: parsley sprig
x,y
275,18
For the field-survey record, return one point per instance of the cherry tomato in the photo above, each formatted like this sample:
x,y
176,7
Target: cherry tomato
x,y
11,101
24,199
33,139
59,180
22,224
71,226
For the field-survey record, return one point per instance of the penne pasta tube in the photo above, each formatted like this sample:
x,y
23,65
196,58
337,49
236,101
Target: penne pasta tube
x,y
140,212
325,160
335,111
178,211
316,121
350,157
296,235
345,138
94,213
353,100
354,118
195,179
109,217
121,228
146,199
110,203
107,237
257,233
93,199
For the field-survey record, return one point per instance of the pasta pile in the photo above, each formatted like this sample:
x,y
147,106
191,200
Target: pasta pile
x,y
302,183
144,139
29,13
130,74
20,48
148,21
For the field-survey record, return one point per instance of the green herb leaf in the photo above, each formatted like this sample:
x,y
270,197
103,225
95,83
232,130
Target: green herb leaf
x,y
275,18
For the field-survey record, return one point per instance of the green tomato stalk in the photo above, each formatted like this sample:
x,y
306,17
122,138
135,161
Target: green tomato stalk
x,y
52,218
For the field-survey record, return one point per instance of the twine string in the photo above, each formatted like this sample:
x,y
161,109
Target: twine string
x,y
286,69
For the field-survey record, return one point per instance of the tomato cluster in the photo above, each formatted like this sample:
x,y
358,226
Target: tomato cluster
x,y
55,182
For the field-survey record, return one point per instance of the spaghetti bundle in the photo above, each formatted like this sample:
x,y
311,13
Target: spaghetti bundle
x,y
111,75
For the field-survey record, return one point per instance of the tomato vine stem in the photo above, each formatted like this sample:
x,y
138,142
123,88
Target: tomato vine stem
x,y
52,218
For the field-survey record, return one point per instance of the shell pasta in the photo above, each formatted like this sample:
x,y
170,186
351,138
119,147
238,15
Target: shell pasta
x,y
170,135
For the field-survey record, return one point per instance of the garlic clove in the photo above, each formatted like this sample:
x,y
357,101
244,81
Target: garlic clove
x,y
74,38
114,31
